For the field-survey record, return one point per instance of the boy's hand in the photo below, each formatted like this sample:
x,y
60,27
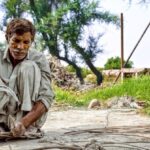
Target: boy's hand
x,y
18,129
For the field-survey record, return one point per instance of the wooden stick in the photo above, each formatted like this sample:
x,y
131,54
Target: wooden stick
x,y
65,147
118,129
28,135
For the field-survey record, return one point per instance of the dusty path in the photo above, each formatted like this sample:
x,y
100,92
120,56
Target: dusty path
x,y
74,129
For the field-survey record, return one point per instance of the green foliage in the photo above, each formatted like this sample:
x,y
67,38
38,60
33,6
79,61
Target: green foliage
x,y
115,63
84,71
90,78
14,8
69,68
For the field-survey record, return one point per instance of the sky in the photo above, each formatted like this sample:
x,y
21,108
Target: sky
x,y
136,18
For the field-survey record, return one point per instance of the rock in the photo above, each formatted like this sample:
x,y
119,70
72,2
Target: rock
x,y
94,104
135,105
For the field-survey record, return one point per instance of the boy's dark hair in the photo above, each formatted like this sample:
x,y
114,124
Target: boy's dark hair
x,y
19,26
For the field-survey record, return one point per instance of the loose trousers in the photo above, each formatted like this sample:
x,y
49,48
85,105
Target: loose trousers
x,y
18,97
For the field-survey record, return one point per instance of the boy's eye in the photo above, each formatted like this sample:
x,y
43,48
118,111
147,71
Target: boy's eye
x,y
16,40
26,42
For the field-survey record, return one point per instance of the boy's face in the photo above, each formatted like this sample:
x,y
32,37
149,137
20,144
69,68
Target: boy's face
x,y
19,45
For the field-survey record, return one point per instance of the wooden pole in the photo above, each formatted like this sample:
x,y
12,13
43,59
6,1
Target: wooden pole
x,y
133,50
122,41
122,47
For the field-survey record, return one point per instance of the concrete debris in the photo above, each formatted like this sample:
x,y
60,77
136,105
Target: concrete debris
x,y
123,102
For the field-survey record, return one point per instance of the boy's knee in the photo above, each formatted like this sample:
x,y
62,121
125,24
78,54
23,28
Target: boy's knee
x,y
29,67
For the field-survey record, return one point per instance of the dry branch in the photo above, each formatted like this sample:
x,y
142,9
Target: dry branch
x,y
28,135
65,147
118,129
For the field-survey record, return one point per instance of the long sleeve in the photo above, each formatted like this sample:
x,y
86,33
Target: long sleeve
x,y
46,94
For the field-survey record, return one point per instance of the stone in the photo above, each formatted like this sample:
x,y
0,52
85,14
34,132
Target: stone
x,y
94,104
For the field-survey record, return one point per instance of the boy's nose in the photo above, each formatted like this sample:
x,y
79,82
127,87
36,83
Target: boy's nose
x,y
20,46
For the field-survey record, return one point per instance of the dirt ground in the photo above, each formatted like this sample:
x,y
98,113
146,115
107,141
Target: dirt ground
x,y
83,129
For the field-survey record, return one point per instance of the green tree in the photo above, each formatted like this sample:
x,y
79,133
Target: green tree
x,y
81,15
115,63
61,24
40,12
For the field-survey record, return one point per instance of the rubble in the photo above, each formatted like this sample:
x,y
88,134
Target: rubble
x,y
64,79
60,76
123,102
117,103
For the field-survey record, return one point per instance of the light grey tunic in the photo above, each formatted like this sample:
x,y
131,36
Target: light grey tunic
x,y
22,86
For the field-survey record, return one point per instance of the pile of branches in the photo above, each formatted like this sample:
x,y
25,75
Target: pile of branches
x,y
60,76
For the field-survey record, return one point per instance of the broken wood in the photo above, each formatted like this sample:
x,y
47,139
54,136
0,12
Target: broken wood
x,y
28,135
65,147
118,129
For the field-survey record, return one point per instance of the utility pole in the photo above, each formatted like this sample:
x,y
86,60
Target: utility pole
x,y
122,47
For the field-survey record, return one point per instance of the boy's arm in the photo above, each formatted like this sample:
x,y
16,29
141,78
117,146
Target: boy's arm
x,y
36,112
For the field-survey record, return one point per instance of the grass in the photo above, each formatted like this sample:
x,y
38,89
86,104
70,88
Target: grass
x,y
138,88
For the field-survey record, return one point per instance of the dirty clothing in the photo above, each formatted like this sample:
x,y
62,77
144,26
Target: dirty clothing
x,y
23,85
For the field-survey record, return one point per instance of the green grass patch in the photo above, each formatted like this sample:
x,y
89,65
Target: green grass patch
x,y
67,96
138,88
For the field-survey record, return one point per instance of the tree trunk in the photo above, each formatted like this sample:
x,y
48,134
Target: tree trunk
x,y
89,63
95,71
77,68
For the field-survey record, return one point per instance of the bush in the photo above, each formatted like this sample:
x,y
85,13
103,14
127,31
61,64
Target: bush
x,y
85,72
69,68
115,63
90,78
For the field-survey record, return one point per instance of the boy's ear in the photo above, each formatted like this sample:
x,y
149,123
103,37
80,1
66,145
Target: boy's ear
x,y
7,39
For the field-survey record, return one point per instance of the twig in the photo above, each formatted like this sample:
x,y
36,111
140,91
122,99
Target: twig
x,y
119,129
133,147
60,147
103,143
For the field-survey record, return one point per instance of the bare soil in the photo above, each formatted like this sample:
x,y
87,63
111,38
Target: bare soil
x,y
83,129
